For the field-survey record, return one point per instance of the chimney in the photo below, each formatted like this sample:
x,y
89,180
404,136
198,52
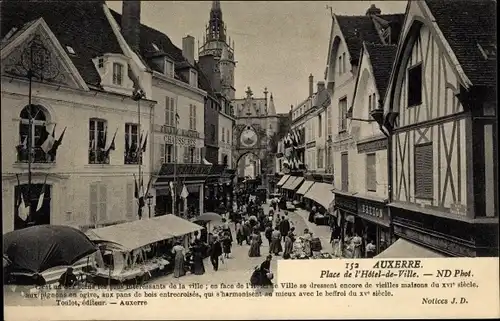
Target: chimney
x,y
131,23
188,48
320,85
311,85
373,10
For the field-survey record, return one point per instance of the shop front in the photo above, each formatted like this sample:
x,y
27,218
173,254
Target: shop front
x,y
282,182
345,210
287,191
429,233
376,225
169,189
294,187
215,193
303,189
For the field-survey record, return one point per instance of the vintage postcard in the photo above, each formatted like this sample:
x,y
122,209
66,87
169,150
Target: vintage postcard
x,y
249,159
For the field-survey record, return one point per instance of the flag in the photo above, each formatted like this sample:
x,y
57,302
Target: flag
x,y
145,143
42,195
184,193
139,145
21,204
48,143
177,117
57,143
172,191
136,190
110,145
205,162
23,146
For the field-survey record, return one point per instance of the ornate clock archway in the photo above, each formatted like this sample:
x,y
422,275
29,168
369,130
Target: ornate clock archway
x,y
250,139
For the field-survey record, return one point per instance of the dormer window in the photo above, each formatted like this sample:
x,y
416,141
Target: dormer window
x,y
70,50
193,78
169,67
117,74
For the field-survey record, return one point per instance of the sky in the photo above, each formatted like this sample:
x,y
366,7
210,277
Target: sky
x,y
277,43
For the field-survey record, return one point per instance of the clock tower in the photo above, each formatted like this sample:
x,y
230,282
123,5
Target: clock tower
x,y
217,43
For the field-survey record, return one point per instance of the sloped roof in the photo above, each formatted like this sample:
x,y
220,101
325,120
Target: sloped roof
x,y
81,25
464,24
381,58
357,29
150,36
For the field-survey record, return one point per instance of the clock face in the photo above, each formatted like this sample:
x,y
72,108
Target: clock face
x,y
248,137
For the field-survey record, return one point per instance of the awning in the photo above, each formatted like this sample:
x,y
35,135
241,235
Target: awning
x,y
321,194
296,183
289,182
305,187
406,249
139,233
283,180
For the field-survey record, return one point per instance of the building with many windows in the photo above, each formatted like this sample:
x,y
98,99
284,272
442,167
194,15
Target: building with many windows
x,y
79,142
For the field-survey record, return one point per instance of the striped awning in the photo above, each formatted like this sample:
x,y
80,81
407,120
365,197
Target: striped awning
x,y
283,180
305,187
321,194
289,182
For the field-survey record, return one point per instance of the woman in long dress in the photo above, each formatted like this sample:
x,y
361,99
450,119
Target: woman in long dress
x,y
288,249
357,242
276,241
197,249
179,252
261,275
226,244
255,243
240,234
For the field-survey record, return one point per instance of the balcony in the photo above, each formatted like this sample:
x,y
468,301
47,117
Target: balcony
x,y
171,130
38,156
98,157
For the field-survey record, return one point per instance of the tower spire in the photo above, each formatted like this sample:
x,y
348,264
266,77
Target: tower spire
x,y
216,5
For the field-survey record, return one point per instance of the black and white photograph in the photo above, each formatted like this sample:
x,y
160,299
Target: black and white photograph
x,y
179,144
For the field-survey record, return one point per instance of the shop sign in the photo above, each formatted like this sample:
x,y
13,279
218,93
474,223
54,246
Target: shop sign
x,y
441,243
345,203
181,141
371,210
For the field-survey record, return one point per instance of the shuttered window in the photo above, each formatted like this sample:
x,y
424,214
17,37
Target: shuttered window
x,y
342,114
371,174
130,201
424,175
98,203
169,111
344,171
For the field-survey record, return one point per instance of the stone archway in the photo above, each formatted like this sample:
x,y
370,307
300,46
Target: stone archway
x,y
250,139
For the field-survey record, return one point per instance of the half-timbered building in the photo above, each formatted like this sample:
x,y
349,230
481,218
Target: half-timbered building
x,y
440,111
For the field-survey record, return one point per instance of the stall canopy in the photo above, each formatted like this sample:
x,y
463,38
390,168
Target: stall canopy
x,y
289,182
406,249
305,187
283,180
139,233
296,183
321,194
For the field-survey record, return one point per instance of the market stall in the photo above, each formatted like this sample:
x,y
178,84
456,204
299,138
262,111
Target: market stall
x,y
132,251
299,251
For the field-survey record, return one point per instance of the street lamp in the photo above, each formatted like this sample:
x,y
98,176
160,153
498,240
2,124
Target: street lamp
x,y
149,201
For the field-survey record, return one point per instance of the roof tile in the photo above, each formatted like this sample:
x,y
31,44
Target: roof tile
x,y
465,24
381,58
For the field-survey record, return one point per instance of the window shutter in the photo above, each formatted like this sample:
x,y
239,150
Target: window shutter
x,y
371,176
130,200
103,200
93,203
173,119
194,117
344,172
424,176
167,111
161,157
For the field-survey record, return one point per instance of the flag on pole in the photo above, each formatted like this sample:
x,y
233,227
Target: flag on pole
x,y
139,145
177,118
110,145
42,195
48,143
21,204
172,191
144,144
23,146
57,143
184,193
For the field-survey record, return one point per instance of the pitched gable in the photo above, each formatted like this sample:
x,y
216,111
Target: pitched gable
x,y
381,58
465,25
81,25
36,38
